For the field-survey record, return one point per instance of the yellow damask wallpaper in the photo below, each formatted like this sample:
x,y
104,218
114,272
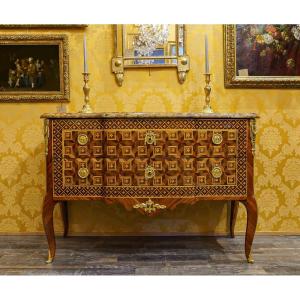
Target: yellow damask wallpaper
x,y
277,179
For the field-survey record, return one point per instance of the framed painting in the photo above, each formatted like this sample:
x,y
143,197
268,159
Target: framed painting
x,y
42,26
262,56
34,68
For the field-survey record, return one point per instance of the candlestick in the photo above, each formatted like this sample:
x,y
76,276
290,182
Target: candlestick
x,y
207,89
85,55
206,56
86,90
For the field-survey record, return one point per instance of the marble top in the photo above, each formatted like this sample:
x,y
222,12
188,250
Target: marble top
x,y
141,115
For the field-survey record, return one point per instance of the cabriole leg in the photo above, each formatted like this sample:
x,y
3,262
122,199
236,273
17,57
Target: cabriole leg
x,y
251,208
48,209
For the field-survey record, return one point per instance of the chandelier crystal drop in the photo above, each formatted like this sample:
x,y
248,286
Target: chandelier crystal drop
x,y
150,36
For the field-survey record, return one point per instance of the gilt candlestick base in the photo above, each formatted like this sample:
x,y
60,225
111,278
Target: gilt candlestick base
x,y
86,90
207,89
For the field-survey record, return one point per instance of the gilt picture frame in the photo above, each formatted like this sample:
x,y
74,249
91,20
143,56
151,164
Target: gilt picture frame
x,y
43,26
34,68
262,56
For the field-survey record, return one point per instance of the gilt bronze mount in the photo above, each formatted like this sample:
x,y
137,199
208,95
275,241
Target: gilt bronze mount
x,y
149,206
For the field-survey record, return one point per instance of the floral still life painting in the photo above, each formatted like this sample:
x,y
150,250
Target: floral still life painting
x,y
262,55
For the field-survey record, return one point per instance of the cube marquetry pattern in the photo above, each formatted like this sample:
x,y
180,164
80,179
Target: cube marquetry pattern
x,y
186,160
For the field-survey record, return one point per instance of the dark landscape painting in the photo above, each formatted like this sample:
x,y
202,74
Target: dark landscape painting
x,y
29,68
267,50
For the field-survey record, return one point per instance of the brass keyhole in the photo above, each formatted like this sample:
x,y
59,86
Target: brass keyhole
x,y
150,138
149,172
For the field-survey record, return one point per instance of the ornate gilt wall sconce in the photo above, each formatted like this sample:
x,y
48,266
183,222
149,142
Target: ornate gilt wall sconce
x,y
150,46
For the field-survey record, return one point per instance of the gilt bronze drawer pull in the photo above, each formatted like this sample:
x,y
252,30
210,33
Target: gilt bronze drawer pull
x,y
82,139
216,172
149,206
83,173
149,172
150,138
217,138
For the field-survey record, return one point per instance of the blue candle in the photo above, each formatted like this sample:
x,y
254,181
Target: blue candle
x,y
85,55
206,56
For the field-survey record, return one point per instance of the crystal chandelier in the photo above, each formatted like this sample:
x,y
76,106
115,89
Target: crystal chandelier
x,y
150,36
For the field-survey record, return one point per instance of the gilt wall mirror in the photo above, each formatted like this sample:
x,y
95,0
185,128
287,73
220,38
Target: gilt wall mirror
x,y
150,46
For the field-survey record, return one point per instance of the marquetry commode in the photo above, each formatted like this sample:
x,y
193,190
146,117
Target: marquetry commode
x,y
149,162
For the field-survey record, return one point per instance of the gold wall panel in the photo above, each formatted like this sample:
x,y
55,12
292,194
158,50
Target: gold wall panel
x,y
277,180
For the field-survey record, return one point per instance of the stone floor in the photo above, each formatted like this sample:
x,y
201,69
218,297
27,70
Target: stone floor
x,y
273,255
